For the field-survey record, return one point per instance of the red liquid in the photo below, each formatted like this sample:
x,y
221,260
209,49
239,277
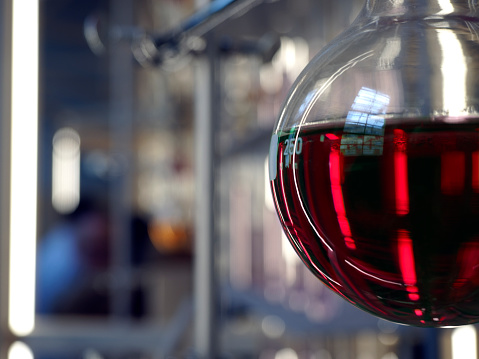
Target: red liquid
x,y
389,220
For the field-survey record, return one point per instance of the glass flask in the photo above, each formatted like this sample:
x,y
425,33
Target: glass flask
x,y
374,162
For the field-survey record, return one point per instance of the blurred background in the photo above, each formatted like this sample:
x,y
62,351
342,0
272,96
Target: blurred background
x,y
152,230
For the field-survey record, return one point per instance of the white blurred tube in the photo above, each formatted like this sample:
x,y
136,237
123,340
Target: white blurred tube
x,y
66,170
19,350
464,343
23,171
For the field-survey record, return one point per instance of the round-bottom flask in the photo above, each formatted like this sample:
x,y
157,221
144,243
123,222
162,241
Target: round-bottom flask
x,y
374,162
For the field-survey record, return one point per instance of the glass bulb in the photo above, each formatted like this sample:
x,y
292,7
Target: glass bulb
x,y
374,162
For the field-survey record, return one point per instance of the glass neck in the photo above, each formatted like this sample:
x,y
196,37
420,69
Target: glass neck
x,y
419,8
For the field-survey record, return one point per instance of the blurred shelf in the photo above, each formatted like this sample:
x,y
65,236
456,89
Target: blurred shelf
x,y
74,335
256,143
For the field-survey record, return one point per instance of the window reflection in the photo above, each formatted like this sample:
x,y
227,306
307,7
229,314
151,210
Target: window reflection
x,y
364,127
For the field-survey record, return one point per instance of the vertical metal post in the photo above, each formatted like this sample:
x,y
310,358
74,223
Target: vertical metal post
x,y
5,108
121,129
431,343
206,102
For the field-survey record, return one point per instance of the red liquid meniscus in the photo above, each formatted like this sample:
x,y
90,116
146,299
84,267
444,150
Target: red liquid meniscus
x,y
388,218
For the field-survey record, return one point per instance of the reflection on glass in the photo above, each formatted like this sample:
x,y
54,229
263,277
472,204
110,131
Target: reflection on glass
x,y
407,265
337,193
401,184
454,73
364,127
389,54
446,6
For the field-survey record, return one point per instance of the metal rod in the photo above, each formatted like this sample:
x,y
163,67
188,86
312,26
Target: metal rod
x,y
120,194
205,298
5,112
156,48
205,19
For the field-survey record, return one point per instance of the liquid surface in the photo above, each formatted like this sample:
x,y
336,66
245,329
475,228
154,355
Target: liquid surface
x,y
388,219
